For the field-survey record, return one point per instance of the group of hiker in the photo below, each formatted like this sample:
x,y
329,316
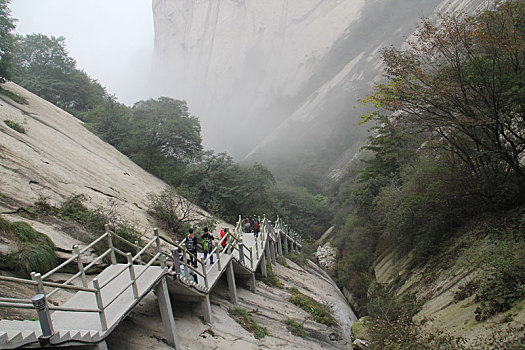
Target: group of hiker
x,y
252,225
192,242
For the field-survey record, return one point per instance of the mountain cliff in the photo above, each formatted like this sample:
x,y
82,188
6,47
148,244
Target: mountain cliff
x,y
51,155
280,78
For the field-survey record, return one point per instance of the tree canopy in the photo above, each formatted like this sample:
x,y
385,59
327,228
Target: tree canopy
x,y
448,145
42,65
463,80
7,24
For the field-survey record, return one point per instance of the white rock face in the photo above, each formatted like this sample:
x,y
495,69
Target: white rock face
x,y
57,158
268,77
326,256
233,58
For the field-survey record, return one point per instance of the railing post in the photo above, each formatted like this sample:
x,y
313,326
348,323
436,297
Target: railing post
x,y
35,276
251,257
159,248
100,305
132,276
218,258
40,304
279,242
185,263
110,244
176,261
257,247
137,248
80,266
205,275
241,253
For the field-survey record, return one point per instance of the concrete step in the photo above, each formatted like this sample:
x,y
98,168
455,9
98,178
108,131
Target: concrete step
x,y
15,325
76,335
16,339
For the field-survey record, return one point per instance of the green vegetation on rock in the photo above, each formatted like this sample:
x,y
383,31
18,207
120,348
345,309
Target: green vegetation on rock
x,y
17,98
36,252
15,126
296,328
320,313
271,280
246,320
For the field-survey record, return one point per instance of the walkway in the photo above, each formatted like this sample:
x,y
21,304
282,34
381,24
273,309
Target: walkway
x,y
97,307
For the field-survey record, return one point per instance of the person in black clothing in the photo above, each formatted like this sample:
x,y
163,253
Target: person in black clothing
x,y
255,225
207,244
191,246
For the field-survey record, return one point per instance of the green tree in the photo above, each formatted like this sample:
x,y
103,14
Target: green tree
x,y
109,121
163,138
42,65
463,80
226,188
7,24
307,213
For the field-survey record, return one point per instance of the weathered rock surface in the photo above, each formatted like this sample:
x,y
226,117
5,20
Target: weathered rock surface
x,y
142,329
57,158
326,256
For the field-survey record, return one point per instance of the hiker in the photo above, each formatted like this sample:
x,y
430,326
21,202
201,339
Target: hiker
x,y
223,238
207,244
191,246
255,225
247,225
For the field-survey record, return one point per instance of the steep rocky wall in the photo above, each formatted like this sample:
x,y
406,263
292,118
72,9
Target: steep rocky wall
x,y
57,158
280,78
240,62
436,289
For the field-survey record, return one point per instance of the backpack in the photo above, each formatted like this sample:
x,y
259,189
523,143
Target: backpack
x,y
189,243
256,224
206,244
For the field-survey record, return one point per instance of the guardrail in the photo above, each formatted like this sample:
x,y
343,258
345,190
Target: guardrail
x,y
249,256
40,281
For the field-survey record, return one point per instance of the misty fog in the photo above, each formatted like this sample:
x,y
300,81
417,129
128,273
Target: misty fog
x,y
111,40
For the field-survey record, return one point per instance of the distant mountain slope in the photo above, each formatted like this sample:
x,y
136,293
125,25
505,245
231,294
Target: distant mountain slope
x,y
280,78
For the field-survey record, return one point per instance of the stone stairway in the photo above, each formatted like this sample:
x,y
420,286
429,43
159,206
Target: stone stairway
x,y
97,307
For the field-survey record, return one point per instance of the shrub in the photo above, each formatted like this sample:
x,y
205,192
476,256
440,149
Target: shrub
x,y
271,280
36,251
15,126
321,313
298,258
17,98
391,325
176,213
245,319
42,207
296,328
95,220
282,260
503,280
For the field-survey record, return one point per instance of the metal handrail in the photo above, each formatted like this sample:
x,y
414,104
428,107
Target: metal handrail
x,y
115,275
15,300
68,261
50,307
235,243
